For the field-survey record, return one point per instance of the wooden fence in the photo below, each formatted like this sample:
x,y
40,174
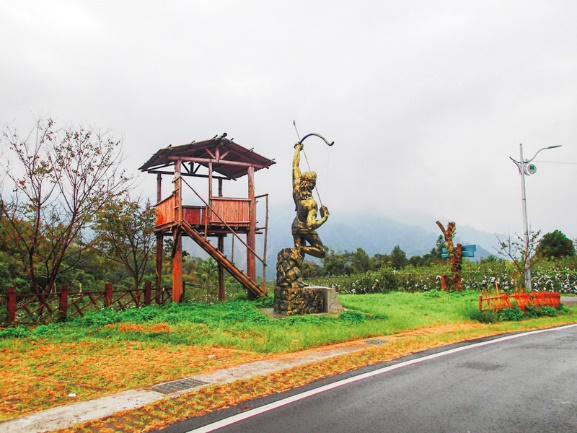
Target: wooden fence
x,y
35,309
522,300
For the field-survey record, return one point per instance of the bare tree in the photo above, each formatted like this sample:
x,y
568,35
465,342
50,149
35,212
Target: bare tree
x,y
521,254
56,179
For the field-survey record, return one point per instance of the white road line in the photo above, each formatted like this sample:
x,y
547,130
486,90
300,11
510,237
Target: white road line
x,y
248,414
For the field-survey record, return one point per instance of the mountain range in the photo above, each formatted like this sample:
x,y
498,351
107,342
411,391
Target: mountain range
x,y
373,233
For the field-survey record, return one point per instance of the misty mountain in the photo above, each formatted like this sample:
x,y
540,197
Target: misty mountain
x,y
374,234
377,235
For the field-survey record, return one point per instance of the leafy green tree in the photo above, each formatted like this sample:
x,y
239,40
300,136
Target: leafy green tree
x,y
555,245
124,231
491,259
207,274
379,261
360,261
335,264
437,252
417,261
398,258
311,269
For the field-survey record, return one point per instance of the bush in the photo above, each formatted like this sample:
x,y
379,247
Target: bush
x,y
100,318
511,314
351,316
533,312
559,275
484,316
15,332
144,314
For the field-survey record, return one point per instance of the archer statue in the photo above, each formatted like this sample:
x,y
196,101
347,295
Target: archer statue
x,y
304,228
305,224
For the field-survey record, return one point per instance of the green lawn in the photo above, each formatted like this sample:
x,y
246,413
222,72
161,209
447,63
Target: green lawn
x,y
246,326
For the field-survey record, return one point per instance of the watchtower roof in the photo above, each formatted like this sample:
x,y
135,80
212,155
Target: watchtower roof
x,y
228,158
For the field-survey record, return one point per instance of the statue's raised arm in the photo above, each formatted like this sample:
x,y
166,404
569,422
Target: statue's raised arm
x,y
297,171
304,226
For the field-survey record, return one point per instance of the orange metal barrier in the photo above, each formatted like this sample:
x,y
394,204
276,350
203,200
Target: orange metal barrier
x,y
522,300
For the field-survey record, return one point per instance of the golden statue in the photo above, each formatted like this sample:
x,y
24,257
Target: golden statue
x,y
291,294
306,223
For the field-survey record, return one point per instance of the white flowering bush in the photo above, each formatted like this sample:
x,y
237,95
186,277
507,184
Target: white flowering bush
x,y
559,276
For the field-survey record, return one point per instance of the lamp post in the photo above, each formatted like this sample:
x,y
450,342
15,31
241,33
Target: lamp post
x,y
526,169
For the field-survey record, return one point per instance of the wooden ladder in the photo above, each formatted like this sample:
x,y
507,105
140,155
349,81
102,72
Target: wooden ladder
x,y
231,268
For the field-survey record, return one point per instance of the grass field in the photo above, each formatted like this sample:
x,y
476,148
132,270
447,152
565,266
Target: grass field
x,y
107,352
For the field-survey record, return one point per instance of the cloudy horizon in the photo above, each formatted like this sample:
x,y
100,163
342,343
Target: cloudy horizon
x,y
426,101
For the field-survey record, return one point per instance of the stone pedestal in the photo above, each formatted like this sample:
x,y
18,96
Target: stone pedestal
x,y
306,300
292,296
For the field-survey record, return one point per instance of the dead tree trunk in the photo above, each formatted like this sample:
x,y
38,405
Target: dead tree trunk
x,y
455,254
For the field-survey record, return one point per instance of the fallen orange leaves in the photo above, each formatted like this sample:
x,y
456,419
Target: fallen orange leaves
x,y
40,375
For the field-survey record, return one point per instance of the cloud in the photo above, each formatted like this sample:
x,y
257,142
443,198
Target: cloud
x,y
425,100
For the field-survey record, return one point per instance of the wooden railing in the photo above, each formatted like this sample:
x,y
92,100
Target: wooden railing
x,y
194,215
233,211
34,309
165,211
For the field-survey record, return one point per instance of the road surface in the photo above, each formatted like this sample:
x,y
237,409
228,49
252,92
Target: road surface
x,y
518,383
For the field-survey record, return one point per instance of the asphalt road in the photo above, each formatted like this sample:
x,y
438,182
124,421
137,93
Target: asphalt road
x,y
519,383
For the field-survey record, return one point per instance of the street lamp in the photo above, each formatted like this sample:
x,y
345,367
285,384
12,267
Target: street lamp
x,y
526,169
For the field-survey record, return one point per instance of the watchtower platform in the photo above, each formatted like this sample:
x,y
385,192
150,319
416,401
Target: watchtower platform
x,y
214,215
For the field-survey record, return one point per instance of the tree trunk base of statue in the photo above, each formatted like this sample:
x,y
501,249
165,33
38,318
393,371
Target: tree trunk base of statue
x,y
306,300
292,296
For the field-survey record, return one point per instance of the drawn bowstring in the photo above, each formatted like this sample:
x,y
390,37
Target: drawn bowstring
x,y
309,166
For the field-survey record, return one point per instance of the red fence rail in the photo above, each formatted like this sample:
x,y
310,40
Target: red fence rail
x,y
35,309
522,300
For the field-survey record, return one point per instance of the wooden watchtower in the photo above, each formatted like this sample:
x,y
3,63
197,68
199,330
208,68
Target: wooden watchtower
x,y
215,160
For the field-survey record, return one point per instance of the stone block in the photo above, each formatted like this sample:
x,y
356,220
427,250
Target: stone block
x,y
306,300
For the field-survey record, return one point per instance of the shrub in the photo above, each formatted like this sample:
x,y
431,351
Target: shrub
x,y
511,314
100,318
351,316
484,316
15,332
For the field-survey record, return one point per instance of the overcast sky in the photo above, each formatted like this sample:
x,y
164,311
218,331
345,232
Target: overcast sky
x,y
425,100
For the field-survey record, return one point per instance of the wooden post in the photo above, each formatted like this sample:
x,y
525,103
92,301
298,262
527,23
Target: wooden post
x,y
209,181
63,304
108,294
177,289
251,235
147,293
456,263
11,305
444,282
159,236
158,187
177,236
221,288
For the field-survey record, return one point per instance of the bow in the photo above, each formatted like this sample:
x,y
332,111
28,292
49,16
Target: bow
x,y
317,135
305,155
